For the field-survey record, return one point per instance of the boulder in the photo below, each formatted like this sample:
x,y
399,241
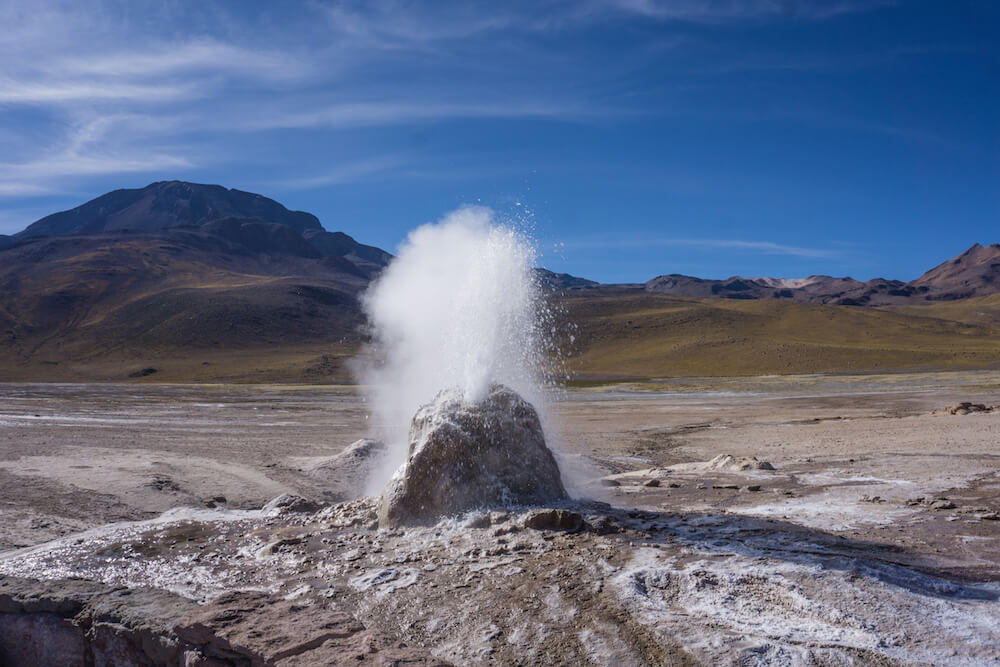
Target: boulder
x,y
465,456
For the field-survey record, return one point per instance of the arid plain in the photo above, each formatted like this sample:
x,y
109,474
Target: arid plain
x,y
873,479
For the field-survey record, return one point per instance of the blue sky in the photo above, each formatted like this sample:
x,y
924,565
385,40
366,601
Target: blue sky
x,y
634,137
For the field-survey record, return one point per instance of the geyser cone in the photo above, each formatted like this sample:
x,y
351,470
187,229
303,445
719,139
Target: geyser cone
x,y
471,455
458,307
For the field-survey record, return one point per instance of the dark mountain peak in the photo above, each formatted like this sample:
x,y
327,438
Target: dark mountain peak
x,y
167,204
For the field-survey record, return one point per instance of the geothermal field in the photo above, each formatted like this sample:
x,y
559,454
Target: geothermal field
x,y
461,505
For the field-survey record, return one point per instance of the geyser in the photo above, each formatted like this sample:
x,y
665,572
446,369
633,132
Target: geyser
x,y
465,455
457,310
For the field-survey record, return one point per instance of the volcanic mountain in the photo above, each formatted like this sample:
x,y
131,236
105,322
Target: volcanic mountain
x,y
181,266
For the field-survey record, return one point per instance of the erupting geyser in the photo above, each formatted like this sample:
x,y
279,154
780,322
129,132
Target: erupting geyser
x,y
458,341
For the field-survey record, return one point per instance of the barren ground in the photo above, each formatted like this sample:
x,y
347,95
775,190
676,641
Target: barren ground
x,y
873,540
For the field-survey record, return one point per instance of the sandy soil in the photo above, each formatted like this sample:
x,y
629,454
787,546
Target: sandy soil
x,y
873,539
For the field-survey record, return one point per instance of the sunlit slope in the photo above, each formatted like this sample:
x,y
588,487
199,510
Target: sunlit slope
x,y
983,311
635,334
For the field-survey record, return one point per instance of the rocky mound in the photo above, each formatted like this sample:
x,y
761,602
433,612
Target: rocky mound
x,y
466,456
731,463
344,474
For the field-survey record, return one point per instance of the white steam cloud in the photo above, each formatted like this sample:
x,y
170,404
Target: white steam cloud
x,y
458,307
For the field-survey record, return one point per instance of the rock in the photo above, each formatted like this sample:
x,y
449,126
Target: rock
x,y
651,483
942,504
554,519
990,516
968,408
76,622
288,502
610,482
465,456
602,525
754,488
738,463
264,630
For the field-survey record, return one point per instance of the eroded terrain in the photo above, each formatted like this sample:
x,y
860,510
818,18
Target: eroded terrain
x,y
873,539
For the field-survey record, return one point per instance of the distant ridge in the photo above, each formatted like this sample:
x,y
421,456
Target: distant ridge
x,y
976,272
562,281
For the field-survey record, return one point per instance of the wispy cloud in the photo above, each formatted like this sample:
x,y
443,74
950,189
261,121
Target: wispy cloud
x,y
724,11
347,172
86,149
387,113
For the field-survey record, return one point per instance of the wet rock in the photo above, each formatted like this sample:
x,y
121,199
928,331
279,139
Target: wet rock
x,y
290,503
554,519
651,483
466,456
602,524
753,488
610,482
265,630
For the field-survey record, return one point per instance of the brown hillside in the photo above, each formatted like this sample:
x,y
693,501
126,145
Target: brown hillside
x,y
634,334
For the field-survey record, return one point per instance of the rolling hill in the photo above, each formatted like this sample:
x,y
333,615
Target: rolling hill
x,y
976,272
635,334
181,282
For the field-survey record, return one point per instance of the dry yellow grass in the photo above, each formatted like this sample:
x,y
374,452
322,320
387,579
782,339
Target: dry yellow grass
x,y
633,334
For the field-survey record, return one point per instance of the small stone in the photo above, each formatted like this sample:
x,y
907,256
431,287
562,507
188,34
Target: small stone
x,y
651,483
288,502
602,525
753,487
991,516
610,482
942,504
553,519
